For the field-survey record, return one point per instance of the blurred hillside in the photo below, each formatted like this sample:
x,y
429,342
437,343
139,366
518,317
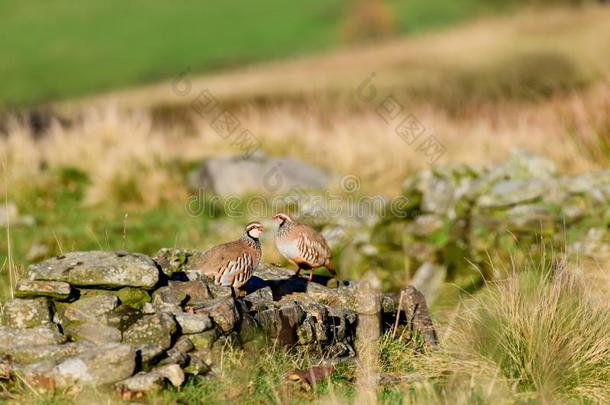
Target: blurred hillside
x,y
54,50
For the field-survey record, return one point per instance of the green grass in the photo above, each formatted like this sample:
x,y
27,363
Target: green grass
x,y
60,49
63,223
64,48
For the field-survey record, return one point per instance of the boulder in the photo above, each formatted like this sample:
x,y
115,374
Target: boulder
x,y
98,269
236,175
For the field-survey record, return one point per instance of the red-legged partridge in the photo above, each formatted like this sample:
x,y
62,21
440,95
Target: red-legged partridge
x,y
232,263
302,245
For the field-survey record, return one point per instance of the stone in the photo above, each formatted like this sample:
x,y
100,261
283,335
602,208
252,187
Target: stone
x,y
169,297
305,332
23,313
235,176
105,365
172,372
51,289
53,353
204,340
172,261
154,380
143,382
157,329
428,279
148,309
98,269
11,338
191,323
262,296
197,292
511,192
223,312
133,297
122,317
197,364
178,353
149,353
281,323
413,304
92,332
523,165
535,218
88,309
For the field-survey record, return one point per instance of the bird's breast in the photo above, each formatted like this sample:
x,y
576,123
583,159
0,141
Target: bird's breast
x,y
288,248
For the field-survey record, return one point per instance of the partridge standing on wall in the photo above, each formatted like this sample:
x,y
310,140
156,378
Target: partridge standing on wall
x,y
233,263
302,245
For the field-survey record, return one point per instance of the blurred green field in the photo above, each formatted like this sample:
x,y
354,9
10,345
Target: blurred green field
x,y
60,49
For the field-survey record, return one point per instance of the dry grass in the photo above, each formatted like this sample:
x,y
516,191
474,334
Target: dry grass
x,y
532,338
547,335
128,142
121,149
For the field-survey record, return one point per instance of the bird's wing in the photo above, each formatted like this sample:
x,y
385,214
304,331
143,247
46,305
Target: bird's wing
x,y
229,264
312,246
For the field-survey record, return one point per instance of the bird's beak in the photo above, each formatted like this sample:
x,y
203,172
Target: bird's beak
x,y
275,217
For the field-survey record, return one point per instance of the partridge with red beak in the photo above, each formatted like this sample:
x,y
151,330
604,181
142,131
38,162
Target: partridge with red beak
x,y
302,245
233,263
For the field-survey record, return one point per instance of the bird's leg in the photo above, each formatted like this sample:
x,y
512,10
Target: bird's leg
x,y
311,275
298,268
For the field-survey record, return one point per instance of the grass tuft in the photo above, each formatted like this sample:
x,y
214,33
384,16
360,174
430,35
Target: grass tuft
x,y
543,333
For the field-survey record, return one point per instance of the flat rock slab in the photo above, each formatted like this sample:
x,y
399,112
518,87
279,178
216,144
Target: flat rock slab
x,y
52,353
51,289
98,269
11,338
